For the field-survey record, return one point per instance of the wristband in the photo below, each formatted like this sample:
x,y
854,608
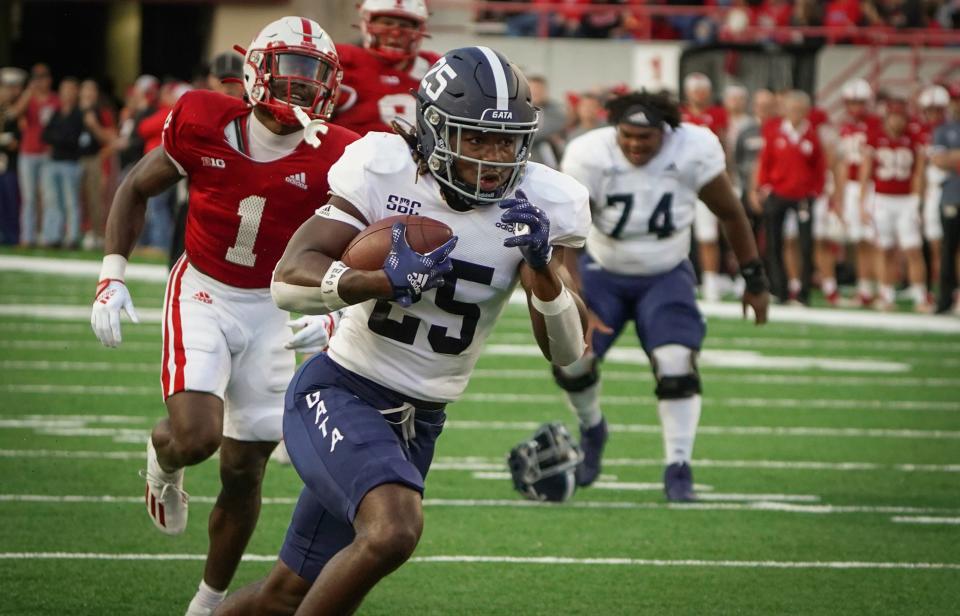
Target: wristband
x,y
755,277
114,267
555,306
330,283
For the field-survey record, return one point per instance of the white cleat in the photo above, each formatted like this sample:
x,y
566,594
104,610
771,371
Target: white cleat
x,y
165,499
199,610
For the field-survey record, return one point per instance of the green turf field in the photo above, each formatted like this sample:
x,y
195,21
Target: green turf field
x,y
828,461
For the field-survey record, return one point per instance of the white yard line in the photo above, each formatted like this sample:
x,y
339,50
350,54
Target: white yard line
x,y
799,431
877,380
551,399
519,503
80,366
520,560
779,344
924,520
74,422
59,345
717,358
711,358
472,463
722,310
445,463
704,494
765,403
77,268
69,313
522,374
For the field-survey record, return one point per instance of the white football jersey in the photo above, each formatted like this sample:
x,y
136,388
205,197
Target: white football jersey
x,y
427,351
642,215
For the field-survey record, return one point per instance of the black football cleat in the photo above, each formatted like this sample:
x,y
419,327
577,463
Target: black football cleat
x,y
678,483
592,441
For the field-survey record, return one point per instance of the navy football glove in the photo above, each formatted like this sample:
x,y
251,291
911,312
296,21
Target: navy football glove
x,y
412,273
535,242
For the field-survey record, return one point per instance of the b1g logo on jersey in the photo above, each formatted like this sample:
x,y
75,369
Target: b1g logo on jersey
x,y
209,161
402,205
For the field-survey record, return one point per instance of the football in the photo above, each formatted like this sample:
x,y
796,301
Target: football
x,y
370,248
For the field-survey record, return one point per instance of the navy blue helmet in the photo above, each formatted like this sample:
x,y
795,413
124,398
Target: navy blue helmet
x,y
473,88
543,467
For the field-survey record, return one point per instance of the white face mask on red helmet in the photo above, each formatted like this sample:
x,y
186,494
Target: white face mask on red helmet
x,y
388,42
292,63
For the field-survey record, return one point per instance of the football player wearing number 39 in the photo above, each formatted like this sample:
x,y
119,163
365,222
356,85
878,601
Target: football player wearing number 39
x,y
645,174
227,356
362,419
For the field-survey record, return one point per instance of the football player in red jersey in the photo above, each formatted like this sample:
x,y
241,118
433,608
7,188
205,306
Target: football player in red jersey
x,y
699,109
893,158
378,78
857,124
254,178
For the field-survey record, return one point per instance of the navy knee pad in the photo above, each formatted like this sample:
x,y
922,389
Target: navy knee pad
x,y
579,382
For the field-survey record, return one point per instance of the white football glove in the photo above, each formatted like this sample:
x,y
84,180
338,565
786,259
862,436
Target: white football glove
x,y
311,333
112,298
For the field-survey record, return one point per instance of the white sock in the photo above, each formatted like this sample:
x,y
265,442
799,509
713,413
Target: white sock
x,y
887,294
711,286
865,288
206,598
679,419
794,286
586,405
919,293
829,286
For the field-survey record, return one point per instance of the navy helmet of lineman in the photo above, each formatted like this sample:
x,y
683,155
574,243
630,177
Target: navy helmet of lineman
x,y
474,89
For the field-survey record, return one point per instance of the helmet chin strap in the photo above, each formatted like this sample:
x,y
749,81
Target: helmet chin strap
x,y
311,128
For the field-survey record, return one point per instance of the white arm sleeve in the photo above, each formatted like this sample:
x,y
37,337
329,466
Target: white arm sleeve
x,y
564,330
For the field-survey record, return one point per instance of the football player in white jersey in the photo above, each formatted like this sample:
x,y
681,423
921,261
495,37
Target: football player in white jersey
x,y
361,420
645,173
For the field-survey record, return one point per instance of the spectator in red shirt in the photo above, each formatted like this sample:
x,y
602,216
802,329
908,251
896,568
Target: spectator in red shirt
x,y
158,228
36,106
790,175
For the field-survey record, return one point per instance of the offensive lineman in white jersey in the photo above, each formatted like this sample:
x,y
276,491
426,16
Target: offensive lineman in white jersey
x,y
645,173
361,420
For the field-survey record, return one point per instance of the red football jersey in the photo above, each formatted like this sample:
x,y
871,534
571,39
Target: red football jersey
x,y
714,118
853,138
373,94
893,162
243,212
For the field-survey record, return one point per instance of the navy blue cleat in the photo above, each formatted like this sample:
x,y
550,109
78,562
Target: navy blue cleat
x,y
678,483
592,441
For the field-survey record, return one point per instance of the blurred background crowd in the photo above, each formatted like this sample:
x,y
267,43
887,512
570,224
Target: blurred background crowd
x,y
702,21
66,141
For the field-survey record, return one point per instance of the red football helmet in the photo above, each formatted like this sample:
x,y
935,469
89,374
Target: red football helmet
x,y
292,63
393,42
